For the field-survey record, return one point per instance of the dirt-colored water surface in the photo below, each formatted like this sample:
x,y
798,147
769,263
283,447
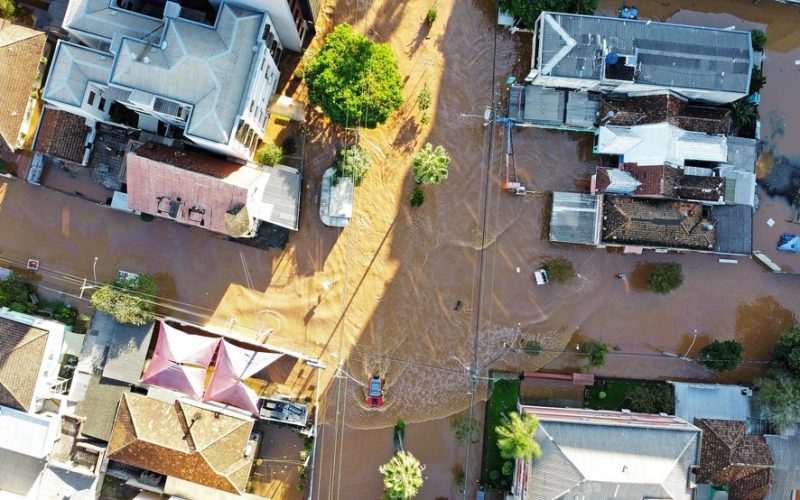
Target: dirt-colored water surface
x,y
398,292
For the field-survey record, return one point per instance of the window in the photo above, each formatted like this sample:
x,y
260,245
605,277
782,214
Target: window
x,y
102,104
90,101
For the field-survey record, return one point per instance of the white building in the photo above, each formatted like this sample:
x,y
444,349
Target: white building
x,y
640,57
212,81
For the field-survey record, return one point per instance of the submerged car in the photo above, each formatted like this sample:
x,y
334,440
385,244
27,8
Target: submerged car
x,y
375,396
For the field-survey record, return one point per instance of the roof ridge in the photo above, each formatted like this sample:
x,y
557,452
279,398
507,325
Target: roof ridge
x,y
34,35
675,462
23,344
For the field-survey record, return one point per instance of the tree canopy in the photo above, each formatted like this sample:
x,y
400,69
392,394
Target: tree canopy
x,y
516,437
722,355
596,352
15,294
665,277
779,399
786,353
127,300
528,10
559,270
352,162
355,81
9,9
269,154
651,398
430,165
402,476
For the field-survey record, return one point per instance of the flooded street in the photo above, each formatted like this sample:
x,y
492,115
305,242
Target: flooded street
x,y
404,288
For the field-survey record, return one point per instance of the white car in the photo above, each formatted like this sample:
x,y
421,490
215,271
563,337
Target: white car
x,y
541,277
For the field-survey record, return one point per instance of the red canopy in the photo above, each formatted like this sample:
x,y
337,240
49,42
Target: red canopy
x,y
180,361
234,365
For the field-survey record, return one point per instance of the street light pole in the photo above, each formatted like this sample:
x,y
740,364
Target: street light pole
x,y
685,357
94,269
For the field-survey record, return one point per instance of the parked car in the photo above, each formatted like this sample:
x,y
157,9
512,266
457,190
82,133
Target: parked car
x,y
541,277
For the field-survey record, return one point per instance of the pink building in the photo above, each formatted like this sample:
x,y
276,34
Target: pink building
x,y
204,191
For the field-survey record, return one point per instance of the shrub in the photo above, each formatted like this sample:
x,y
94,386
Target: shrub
x,y
9,9
722,355
430,165
528,10
596,352
494,475
289,146
146,217
127,300
459,477
464,428
15,294
426,118
508,468
65,314
355,81
651,398
532,347
417,197
665,277
757,80
559,270
424,99
352,162
431,15
758,39
269,154
786,353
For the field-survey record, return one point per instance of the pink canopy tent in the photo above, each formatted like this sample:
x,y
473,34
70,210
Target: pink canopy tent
x,y
234,365
180,361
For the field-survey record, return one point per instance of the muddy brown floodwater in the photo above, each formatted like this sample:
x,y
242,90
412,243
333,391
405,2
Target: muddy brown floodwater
x,y
396,274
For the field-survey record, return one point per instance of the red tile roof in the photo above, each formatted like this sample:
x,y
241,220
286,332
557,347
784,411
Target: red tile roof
x,y
62,135
20,51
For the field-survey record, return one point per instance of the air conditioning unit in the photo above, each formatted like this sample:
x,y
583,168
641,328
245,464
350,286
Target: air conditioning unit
x,y
747,392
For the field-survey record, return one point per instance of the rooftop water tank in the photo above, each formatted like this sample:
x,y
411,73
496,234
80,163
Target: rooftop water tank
x,y
612,58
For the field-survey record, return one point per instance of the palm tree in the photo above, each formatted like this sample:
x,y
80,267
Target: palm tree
x,y
430,165
743,114
516,437
402,476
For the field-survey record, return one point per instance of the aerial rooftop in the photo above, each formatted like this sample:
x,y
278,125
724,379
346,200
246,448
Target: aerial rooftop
x,y
667,108
644,52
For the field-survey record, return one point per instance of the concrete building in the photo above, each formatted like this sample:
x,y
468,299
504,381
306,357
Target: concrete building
x,y
608,454
607,54
212,82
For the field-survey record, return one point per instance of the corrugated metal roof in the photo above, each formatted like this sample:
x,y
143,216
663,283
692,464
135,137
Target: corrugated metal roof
x,y
574,218
583,109
786,472
280,202
734,229
606,461
72,69
544,105
717,401
103,19
212,64
660,143
668,55
124,346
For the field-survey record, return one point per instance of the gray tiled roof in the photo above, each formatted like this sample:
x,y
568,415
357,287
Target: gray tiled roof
x,y
202,66
574,218
668,55
99,407
99,18
586,460
72,70
734,229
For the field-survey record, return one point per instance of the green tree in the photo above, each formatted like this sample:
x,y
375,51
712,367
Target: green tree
x,y
758,39
528,10
722,355
127,300
665,277
757,80
744,114
424,99
9,9
532,347
431,15
352,162
430,165
402,476
269,154
779,399
354,80
516,436
651,398
15,294
596,351
559,270
786,353
459,477
417,197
